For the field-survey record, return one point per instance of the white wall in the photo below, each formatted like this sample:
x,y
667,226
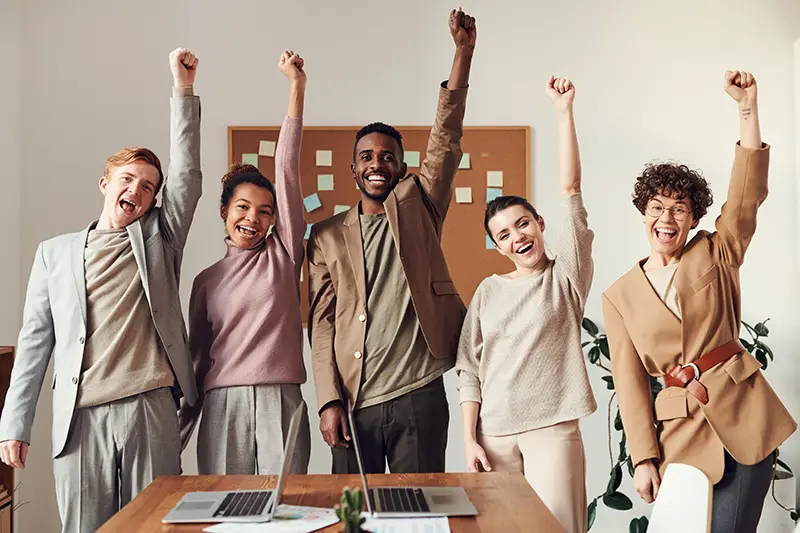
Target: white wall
x,y
649,78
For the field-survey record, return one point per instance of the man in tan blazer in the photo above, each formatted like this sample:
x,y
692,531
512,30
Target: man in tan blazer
x,y
677,315
385,317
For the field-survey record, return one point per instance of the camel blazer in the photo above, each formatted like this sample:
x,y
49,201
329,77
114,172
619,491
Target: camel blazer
x,y
744,415
415,209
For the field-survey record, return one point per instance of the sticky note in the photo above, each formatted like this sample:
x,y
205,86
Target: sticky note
x,y
250,159
324,158
494,178
492,193
464,161
340,209
312,202
266,148
489,243
308,231
463,195
301,273
324,182
411,158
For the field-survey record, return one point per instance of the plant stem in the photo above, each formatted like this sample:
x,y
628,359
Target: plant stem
x,y
610,453
601,365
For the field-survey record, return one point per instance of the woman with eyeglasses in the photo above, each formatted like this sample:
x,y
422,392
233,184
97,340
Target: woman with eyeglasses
x,y
676,315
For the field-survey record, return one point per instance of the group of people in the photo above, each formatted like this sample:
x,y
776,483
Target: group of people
x,y
386,322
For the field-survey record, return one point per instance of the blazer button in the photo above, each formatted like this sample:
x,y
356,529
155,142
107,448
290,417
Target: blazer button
x,y
357,355
74,381
361,318
81,340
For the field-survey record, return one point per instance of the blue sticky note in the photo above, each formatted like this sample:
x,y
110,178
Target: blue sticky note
x,y
308,231
489,243
492,193
312,202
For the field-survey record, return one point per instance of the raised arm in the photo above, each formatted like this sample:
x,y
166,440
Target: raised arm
x,y
443,153
748,187
34,349
183,184
290,225
561,92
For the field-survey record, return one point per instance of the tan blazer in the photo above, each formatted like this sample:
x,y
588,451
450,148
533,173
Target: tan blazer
x,y
744,415
416,209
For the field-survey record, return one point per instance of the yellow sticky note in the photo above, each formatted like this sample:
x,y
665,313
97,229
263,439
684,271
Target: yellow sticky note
x,y
266,148
411,158
463,195
324,158
465,163
494,178
250,159
324,182
340,209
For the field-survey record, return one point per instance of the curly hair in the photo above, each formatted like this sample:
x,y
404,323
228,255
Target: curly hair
x,y
239,174
675,181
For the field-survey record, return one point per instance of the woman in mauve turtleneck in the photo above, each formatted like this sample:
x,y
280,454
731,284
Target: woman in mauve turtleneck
x,y
245,323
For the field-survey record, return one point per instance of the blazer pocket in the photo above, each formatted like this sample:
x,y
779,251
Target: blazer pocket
x,y
671,407
444,287
705,280
742,368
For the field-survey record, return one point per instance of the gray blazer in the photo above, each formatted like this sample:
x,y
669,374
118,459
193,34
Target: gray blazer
x,y
54,317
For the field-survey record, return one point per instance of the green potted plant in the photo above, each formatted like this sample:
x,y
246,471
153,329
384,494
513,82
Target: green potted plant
x,y
597,350
349,510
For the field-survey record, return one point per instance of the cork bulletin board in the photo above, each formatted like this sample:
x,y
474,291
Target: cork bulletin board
x,y
496,162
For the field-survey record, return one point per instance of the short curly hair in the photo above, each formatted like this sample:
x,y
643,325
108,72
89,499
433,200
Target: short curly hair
x,y
239,174
674,181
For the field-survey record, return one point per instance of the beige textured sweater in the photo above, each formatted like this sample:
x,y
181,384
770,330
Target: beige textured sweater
x,y
520,351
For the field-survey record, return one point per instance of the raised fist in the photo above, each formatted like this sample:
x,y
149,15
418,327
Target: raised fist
x,y
291,65
183,64
561,92
463,28
741,86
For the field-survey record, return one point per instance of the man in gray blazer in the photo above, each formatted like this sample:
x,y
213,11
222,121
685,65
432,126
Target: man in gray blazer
x,y
105,303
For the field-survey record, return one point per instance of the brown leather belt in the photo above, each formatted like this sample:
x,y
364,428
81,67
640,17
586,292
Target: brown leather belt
x,y
687,376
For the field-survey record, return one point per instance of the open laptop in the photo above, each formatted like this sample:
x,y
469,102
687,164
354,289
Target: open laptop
x,y
410,502
238,505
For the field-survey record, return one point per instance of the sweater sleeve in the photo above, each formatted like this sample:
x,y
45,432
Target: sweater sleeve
x,y
290,224
574,248
468,358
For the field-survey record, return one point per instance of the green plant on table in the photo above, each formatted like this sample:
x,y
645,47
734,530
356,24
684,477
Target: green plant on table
x,y
597,351
349,510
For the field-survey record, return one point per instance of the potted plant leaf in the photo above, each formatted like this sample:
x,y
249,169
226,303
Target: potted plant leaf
x,y
349,510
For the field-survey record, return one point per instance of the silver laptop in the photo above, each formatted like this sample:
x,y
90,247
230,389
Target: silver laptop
x,y
237,505
410,502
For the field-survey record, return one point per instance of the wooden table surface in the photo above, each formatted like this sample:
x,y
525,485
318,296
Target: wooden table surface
x,y
505,501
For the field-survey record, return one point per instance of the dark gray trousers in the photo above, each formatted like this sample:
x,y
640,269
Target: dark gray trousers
x,y
409,432
739,496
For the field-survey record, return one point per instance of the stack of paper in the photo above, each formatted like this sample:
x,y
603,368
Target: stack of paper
x,y
288,519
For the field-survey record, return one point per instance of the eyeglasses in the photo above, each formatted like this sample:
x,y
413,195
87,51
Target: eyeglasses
x,y
679,212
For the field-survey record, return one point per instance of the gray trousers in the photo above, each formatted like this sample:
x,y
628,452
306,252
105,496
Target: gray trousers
x,y
113,452
739,496
243,430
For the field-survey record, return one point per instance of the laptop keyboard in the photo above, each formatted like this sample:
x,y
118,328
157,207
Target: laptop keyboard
x,y
401,500
243,503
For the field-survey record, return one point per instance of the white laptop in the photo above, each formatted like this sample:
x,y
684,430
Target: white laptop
x,y
410,502
237,505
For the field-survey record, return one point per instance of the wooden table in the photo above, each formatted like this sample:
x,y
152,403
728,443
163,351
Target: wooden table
x,y
505,501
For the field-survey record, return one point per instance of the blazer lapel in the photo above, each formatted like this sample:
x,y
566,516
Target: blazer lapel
x,y
394,222
355,250
137,245
77,258
642,286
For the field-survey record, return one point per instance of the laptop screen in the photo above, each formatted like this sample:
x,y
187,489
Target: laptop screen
x,y
353,432
286,460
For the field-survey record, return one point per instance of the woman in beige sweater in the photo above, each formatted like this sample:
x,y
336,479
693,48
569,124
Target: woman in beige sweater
x,y
522,378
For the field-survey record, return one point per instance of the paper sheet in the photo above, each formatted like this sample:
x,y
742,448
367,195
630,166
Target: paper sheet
x,y
494,178
324,158
324,182
266,148
465,162
463,195
407,525
312,202
411,159
250,159
288,519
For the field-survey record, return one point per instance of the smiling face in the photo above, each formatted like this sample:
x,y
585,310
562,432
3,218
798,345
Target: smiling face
x,y
668,222
248,215
130,192
378,165
519,236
